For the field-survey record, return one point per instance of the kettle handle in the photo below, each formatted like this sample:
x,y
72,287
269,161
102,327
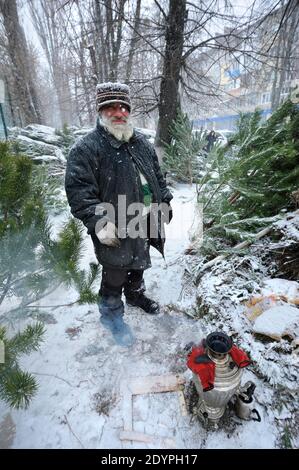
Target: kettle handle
x,y
258,416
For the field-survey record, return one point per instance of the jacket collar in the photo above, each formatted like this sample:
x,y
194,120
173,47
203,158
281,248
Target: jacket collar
x,y
111,139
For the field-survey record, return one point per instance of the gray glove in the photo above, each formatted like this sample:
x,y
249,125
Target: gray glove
x,y
107,235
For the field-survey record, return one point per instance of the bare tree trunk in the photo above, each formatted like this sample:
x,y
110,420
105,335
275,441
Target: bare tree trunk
x,y
85,84
112,41
93,62
117,40
78,113
134,40
47,22
174,38
21,67
10,102
101,49
82,65
109,36
63,94
274,94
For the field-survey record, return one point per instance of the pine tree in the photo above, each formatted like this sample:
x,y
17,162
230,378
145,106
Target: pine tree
x,y
32,262
181,156
16,386
67,137
249,181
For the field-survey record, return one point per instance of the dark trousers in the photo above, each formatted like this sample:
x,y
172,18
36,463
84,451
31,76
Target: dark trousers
x,y
114,281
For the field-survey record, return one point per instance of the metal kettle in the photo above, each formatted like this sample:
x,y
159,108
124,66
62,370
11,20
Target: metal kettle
x,y
227,380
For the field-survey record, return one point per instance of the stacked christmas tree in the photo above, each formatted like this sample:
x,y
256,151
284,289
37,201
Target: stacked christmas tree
x,y
250,181
183,155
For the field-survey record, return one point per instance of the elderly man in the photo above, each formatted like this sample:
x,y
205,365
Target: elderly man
x,y
109,172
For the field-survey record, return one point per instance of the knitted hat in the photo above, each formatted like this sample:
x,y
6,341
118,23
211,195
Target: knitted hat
x,y
109,92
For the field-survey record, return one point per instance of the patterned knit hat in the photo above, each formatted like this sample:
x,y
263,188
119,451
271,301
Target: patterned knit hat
x,y
112,93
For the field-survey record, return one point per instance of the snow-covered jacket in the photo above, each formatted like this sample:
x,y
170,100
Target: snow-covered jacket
x,y
99,168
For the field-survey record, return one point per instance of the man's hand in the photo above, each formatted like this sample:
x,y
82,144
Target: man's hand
x,y
107,235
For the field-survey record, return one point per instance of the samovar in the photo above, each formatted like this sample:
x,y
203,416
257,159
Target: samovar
x,y
222,374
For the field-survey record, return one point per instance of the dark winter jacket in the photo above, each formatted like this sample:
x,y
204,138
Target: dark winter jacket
x,y
99,168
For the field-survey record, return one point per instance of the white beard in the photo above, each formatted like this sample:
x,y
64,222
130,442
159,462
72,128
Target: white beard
x,y
119,131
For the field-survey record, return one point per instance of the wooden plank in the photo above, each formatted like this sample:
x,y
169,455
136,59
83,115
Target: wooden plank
x,y
127,407
156,384
144,385
182,403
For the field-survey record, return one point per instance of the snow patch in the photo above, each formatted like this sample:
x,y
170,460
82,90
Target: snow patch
x,y
278,322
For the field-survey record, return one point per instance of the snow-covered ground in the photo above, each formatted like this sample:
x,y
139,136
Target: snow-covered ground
x,y
81,371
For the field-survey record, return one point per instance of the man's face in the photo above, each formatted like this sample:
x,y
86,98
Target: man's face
x,y
116,113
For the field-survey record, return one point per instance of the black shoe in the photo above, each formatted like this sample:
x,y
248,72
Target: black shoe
x,y
143,302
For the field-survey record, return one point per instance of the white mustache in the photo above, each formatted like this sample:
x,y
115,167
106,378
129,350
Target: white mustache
x,y
113,120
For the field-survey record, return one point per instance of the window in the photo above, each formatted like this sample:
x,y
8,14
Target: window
x,y
265,97
286,90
